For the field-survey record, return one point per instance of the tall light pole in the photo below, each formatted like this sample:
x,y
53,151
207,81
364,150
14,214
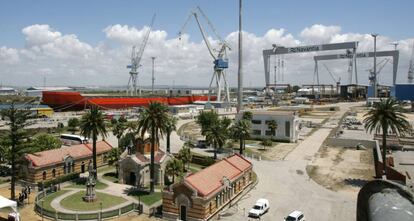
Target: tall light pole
x,y
240,73
375,65
153,78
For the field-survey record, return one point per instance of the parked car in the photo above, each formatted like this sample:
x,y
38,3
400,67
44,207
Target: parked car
x,y
259,208
295,216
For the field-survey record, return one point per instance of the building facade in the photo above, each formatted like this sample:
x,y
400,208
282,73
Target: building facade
x,y
287,125
51,164
134,164
201,195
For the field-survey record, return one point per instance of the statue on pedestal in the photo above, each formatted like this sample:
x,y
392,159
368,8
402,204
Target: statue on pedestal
x,y
90,195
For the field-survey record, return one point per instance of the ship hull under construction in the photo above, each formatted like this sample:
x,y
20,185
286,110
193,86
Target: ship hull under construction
x,y
68,101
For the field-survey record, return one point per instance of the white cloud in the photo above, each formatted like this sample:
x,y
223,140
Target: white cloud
x,y
66,60
319,33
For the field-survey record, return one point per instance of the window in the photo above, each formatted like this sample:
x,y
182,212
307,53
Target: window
x,y
287,128
256,132
256,122
73,166
64,169
54,173
44,175
300,217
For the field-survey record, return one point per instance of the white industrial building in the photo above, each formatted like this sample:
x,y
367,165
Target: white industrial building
x,y
287,125
37,91
8,91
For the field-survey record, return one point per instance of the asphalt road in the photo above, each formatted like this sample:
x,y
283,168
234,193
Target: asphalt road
x,y
288,187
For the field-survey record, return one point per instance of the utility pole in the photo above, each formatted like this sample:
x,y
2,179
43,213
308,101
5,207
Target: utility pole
x,y
240,73
375,65
153,78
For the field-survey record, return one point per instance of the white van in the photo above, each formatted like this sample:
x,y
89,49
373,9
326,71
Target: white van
x,y
259,208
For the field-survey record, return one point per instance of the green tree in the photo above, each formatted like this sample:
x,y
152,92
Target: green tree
x,y
93,124
266,142
295,88
217,134
185,155
174,168
247,115
126,140
118,129
44,142
153,120
386,116
206,119
241,130
14,140
272,125
170,127
73,124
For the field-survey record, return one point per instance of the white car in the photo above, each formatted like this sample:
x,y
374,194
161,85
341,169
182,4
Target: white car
x,y
295,216
259,208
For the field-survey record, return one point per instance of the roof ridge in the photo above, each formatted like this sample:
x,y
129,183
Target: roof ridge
x,y
232,164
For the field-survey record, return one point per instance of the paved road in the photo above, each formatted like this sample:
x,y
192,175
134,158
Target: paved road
x,y
288,187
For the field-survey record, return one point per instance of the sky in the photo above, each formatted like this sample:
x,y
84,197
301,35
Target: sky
x,y
80,43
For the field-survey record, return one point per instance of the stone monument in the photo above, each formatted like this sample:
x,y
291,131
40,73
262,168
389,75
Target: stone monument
x,y
90,195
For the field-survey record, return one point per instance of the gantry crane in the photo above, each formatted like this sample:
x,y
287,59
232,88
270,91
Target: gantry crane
x,y
136,57
337,81
380,66
220,60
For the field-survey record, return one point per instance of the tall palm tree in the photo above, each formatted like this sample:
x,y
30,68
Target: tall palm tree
x,y
118,130
185,155
153,120
272,125
170,127
14,140
92,125
217,134
206,119
174,168
385,116
241,130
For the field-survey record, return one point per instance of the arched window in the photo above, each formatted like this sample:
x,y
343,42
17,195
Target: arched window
x,y
44,175
54,172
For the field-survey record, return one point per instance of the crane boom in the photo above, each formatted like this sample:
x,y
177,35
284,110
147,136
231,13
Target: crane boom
x,y
138,56
330,73
411,67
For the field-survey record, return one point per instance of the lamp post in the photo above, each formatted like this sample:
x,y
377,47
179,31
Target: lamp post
x,y
100,215
375,65
42,208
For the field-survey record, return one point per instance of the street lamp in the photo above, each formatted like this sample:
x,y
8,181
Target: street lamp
x,y
100,215
375,65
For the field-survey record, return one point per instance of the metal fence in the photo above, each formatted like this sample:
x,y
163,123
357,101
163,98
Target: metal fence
x,y
55,215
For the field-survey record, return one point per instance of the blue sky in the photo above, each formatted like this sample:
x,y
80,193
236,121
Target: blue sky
x,y
87,18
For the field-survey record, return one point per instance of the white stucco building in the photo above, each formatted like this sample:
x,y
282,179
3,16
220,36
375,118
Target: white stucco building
x,y
287,125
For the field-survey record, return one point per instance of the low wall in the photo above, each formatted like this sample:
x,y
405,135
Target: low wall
x,y
345,142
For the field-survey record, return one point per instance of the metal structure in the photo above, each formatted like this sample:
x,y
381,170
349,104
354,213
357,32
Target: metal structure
x,y
394,54
136,57
153,78
337,80
380,66
220,59
278,50
240,69
411,67
373,77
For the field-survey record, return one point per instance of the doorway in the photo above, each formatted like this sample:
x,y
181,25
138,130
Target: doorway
x,y
132,178
183,213
83,167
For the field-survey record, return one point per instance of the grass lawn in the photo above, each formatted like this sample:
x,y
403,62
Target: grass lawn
x,y
147,199
81,184
110,176
195,167
105,169
75,202
48,199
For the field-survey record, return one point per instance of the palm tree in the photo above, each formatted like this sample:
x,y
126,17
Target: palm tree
x,y
384,116
174,168
217,134
170,127
185,155
241,131
92,125
247,115
272,125
153,120
73,124
13,143
206,119
118,130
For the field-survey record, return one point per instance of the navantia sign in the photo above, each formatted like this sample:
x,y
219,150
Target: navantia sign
x,y
305,49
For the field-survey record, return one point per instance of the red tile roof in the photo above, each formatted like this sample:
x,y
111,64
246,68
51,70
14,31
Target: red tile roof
x,y
55,156
209,180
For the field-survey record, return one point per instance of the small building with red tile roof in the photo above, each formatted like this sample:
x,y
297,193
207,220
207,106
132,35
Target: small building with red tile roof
x,y
51,164
134,163
200,195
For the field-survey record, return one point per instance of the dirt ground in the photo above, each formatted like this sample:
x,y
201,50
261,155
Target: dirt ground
x,y
342,169
277,152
